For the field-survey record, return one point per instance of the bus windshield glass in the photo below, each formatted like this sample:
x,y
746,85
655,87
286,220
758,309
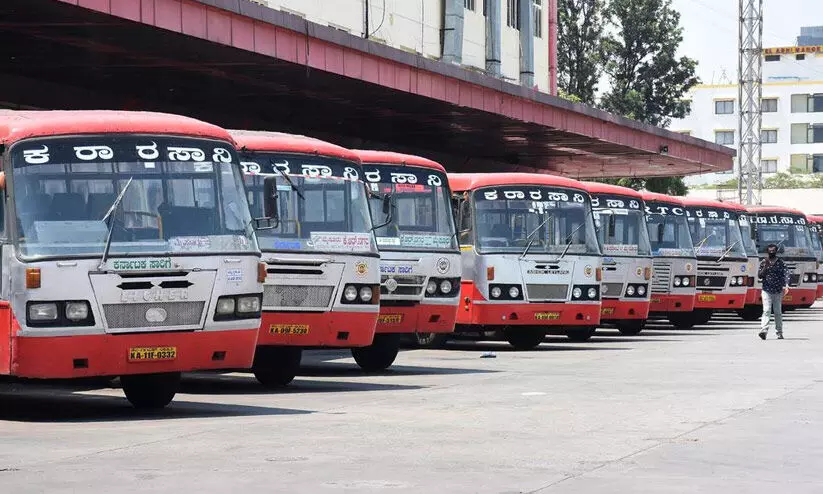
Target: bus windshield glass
x,y
179,195
535,220
668,230
421,218
321,203
789,232
817,244
621,226
748,236
716,233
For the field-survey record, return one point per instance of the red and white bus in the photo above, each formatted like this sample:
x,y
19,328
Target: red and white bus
x,y
816,227
674,262
419,256
722,263
129,250
753,308
620,219
531,260
320,252
788,229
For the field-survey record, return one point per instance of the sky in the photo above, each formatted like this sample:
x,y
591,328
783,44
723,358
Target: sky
x,y
710,31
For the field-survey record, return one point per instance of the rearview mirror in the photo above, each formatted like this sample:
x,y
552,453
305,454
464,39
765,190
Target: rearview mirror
x,y
387,204
271,216
660,231
612,226
388,212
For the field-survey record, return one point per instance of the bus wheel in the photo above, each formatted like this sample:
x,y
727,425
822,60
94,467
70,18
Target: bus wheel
x,y
379,355
276,366
581,334
631,327
431,340
750,312
150,391
682,320
524,339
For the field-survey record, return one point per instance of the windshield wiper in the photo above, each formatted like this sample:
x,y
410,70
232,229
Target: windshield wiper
x,y
700,244
569,244
732,246
291,184
530,237
110,213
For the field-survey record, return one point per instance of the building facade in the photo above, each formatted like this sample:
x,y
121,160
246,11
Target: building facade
x,y
511,39
792,105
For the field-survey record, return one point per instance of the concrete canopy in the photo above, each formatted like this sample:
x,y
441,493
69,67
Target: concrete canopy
x,y
242,65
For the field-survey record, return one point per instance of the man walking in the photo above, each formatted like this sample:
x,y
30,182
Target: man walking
x,y
775,278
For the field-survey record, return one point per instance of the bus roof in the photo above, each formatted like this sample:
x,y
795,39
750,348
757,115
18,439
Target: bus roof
x,y
471,181
775,209
696,202
392,158
814,218
615,190
260,140
17,125
657,197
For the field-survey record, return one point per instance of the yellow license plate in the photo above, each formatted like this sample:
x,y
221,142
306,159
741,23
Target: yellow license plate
x,y
607,311
546,316
706,298
656,301
152,353
787,298
289,329
390,318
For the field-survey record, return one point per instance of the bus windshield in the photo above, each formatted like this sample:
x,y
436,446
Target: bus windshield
x,y
716,233
535,220
790,233
668,230
179,195
322,206
817,242
421,217
622,232
748,236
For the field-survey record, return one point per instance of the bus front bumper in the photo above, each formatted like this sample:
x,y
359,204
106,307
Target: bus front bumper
x,y
341,329
418,318
663,303
753,296
719,301
614,309
534,314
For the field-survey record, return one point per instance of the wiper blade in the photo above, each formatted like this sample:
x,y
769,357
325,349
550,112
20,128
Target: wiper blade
x,y
700,244
530,237
291,184
569,244
110,214
732,246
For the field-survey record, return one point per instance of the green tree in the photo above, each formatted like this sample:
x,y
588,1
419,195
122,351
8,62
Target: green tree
x,y
673,186
580,47
647,79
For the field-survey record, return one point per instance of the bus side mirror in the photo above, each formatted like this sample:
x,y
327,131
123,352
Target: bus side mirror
x,y
465,225
660,231
387,204
612,226
388,212
271,216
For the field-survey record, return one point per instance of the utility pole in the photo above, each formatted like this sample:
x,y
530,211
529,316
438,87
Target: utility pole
x,y
750,92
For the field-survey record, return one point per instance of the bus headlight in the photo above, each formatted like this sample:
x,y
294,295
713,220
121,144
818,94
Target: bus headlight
x,y
630,291
365,294
230,307
77,311
43,312
431,287
678,281
733,281
686,281
592,293
641,290
514,292
350,293
577,293
806,277
248,305
225,306
496,292
446,286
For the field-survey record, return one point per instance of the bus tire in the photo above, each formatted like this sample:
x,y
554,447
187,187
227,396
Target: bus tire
x,y
276,366
580,334
631,327
150,391
750,312
379,355
524,339
682,320
431,340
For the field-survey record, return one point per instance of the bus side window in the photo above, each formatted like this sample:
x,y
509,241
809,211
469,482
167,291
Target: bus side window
x,y
465,223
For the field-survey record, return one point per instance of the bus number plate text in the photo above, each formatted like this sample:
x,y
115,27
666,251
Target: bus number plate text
x,y
152,354
607,311
390,318
706,298
289,329
546,316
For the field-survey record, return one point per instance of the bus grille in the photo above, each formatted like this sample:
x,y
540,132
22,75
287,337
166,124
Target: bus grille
x,y
406,285
130,316
300,296
662,277
611,290
547,292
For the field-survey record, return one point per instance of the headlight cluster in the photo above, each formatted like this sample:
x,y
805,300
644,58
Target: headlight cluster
x,y
506,292
232,307
810,277
586,292
60,313
442,287
638,291
360,294
739,281
683,281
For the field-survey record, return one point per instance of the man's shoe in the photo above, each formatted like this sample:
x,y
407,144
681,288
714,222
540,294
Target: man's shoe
x,y
762,335
780,336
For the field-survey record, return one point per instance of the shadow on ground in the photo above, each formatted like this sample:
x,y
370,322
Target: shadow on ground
x,y
246,384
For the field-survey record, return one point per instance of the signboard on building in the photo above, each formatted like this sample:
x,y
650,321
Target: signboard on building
x,y
793,50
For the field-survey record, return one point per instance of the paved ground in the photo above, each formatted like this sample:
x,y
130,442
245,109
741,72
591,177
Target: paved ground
x,y
708,410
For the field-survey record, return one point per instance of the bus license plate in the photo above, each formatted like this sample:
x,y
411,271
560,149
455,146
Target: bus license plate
x,y
656,301
152,354
390,318
289,329
546,316
787,298
706,298
607,311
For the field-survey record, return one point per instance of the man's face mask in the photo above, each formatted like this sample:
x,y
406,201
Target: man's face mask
x,y
772,253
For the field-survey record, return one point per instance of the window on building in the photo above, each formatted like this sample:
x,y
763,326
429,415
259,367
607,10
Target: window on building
x,y
537,12
469,4
815,133
724,107
512,14
817,163
768,105
768,136
807,103
768,166
772,58
800,56
724,137
799,163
